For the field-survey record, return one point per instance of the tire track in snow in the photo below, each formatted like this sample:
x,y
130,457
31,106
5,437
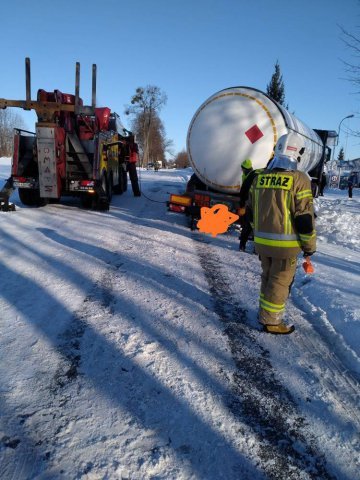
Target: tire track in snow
x,y
286,451
333,374
69,347
55,416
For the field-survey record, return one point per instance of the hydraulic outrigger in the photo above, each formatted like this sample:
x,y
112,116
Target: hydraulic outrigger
x,y
46,110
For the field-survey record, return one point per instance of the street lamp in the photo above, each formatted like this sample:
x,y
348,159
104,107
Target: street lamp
x,y
337,143
337,140
349,116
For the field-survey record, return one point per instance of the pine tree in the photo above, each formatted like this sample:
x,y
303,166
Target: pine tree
x,y
276,89
341,156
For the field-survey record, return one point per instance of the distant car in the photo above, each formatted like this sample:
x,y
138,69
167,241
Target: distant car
x,y
150,166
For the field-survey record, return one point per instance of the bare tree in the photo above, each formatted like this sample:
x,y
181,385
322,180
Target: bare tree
x,y
182,160
144,107
8,121
157,142
352,69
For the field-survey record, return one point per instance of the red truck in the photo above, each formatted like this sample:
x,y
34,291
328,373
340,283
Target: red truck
x,y
75,150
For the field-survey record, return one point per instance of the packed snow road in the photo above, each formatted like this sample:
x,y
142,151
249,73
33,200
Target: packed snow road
x,y
130,349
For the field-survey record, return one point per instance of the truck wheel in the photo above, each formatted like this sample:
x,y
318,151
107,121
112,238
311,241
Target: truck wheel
x,y
32,198
86,201
26,197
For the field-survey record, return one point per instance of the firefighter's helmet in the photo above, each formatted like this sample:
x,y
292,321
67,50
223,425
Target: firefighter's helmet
x,y
290,145
246,164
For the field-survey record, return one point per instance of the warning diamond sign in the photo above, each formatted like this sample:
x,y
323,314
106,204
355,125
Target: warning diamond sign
x,y
254,134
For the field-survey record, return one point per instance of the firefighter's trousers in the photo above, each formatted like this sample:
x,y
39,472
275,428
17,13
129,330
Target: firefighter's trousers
x,y
276,280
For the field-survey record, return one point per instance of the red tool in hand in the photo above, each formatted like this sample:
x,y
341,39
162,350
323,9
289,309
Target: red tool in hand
x,y
308,266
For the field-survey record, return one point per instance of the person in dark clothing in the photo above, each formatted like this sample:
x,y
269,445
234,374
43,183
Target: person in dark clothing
x,y
131,167
350,188
322,184
247,178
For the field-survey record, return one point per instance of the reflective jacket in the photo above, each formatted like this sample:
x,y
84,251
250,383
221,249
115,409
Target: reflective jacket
x,y
282,213
133,155
245,186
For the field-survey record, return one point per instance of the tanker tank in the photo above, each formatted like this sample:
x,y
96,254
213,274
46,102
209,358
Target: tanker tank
x,y
239,123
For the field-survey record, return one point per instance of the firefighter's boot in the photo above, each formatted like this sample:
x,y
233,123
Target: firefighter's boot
x,y
280,329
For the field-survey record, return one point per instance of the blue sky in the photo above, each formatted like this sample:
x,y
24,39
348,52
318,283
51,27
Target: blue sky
x,y
190,49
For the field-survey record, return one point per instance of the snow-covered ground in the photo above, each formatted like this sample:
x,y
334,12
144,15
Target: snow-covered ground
x,y
130,348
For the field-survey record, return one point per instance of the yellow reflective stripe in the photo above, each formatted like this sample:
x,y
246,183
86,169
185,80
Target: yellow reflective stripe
x,y
304,194
273,309
306,238
269,306
256,213
277,243
286,212
287,220
273,305
279,306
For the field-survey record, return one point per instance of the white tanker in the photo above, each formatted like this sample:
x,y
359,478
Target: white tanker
x,y
239,123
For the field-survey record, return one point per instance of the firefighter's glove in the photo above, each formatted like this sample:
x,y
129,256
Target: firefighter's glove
x,y
241,211
307,265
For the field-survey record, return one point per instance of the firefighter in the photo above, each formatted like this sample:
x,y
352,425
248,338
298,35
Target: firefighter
x,y
131,166
248,175
281,205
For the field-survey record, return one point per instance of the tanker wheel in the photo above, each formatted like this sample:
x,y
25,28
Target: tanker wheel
x,y
192,223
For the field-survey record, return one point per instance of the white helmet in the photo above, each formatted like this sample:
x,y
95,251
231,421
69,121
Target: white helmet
x,y
283,162
290,145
